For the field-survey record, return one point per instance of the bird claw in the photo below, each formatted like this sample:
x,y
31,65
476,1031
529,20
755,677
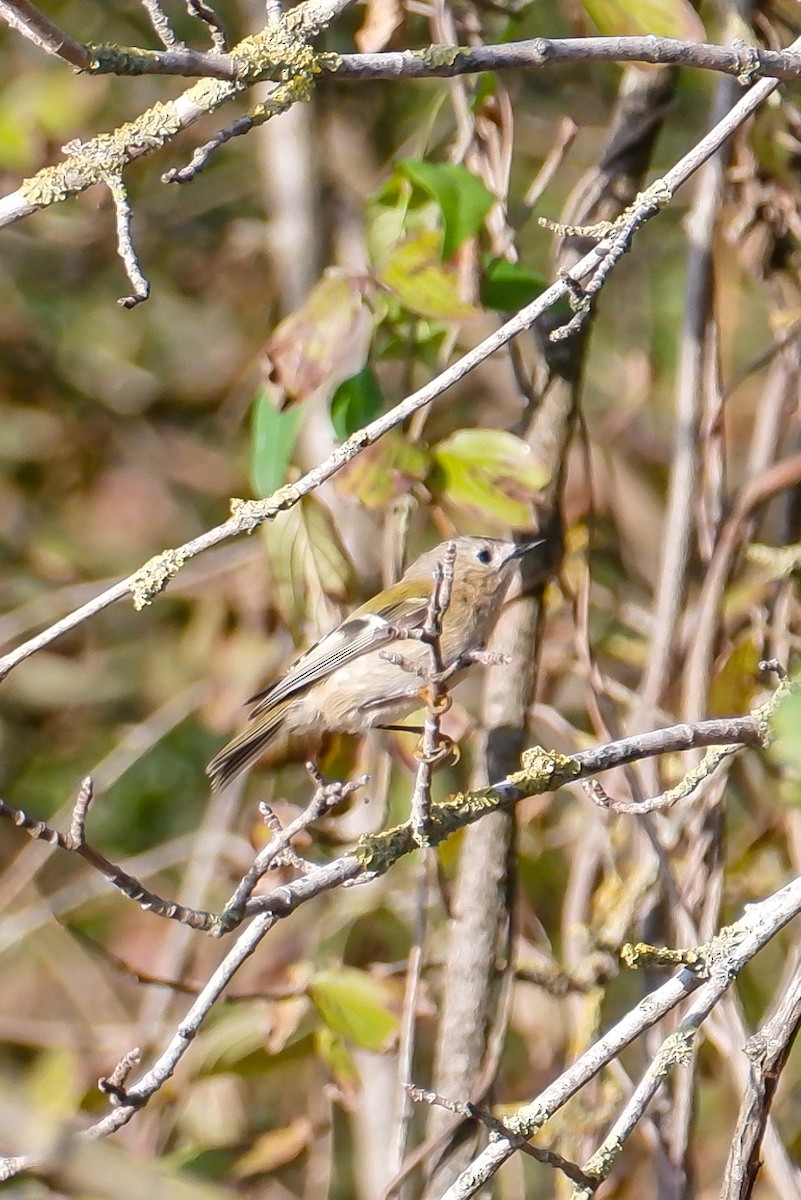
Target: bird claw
x,y
437,704
447,751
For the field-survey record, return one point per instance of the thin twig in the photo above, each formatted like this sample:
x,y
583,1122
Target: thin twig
x,y
406,1042
125,247
27,19
161,24
683,790
375,854
684,466
205,13
437,696
327,796
537,53
248,516
116,876
477,1112
767,1051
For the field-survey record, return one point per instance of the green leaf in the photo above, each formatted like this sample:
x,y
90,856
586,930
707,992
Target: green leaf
x,y
509,286
489,473
333,1050
414,272
353,1004
786,723
356,402
664,18
275,432
463,199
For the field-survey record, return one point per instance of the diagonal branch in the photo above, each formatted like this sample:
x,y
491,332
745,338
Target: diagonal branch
x,y
91,165
730,951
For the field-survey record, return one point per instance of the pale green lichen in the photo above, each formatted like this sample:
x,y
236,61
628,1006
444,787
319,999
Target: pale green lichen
x,y
544,770
460,809
527,1120
713,957
102,156
763,715
438,57
279,53
154,576
250,514
209,94
642,954
781,561
108,59
282,53
717,952
599,1166
675,1051
655,196
695,776
377,852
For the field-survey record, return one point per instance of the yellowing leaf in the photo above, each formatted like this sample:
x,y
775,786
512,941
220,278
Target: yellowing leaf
x,y
422,283
664,18
275,1149
307,566
355,1005
383,471
737,682
325,341
489,473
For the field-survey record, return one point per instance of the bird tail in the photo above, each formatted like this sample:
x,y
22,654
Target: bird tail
x,y
244,749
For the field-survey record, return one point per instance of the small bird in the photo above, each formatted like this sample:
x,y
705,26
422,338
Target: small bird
x,y
346,683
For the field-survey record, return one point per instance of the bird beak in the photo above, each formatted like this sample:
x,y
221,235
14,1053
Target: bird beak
x,y
523,548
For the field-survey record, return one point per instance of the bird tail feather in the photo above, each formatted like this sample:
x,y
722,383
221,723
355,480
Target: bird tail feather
x,y
241,751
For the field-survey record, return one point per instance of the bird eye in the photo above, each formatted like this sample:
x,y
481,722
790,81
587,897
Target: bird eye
x,y
484,556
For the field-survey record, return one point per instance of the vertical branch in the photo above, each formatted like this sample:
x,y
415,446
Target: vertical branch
x,y
677,536
480,931
437,697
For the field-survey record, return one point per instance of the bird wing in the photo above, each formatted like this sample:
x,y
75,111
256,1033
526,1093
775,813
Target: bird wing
x,y
361,633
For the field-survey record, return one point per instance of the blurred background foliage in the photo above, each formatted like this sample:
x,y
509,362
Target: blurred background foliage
x,y
122,433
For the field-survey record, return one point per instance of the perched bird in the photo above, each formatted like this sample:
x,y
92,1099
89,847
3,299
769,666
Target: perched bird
x,y
345,683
